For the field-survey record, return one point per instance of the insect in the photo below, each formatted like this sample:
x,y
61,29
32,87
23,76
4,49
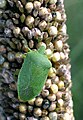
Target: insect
x,y
33,74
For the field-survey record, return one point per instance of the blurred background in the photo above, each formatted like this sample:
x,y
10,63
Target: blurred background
x,y
74,11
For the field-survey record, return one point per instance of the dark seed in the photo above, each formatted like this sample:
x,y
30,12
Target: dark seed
x,y
10,3
2,23
9,24
7,32
11,56
58,3
2,49
2,59
46,104
16,115
10,94
13,86
15,106
30,109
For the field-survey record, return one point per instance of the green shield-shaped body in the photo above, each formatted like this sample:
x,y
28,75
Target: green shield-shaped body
x,y
32,75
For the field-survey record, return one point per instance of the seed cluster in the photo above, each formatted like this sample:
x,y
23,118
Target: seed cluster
x,y
34,23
